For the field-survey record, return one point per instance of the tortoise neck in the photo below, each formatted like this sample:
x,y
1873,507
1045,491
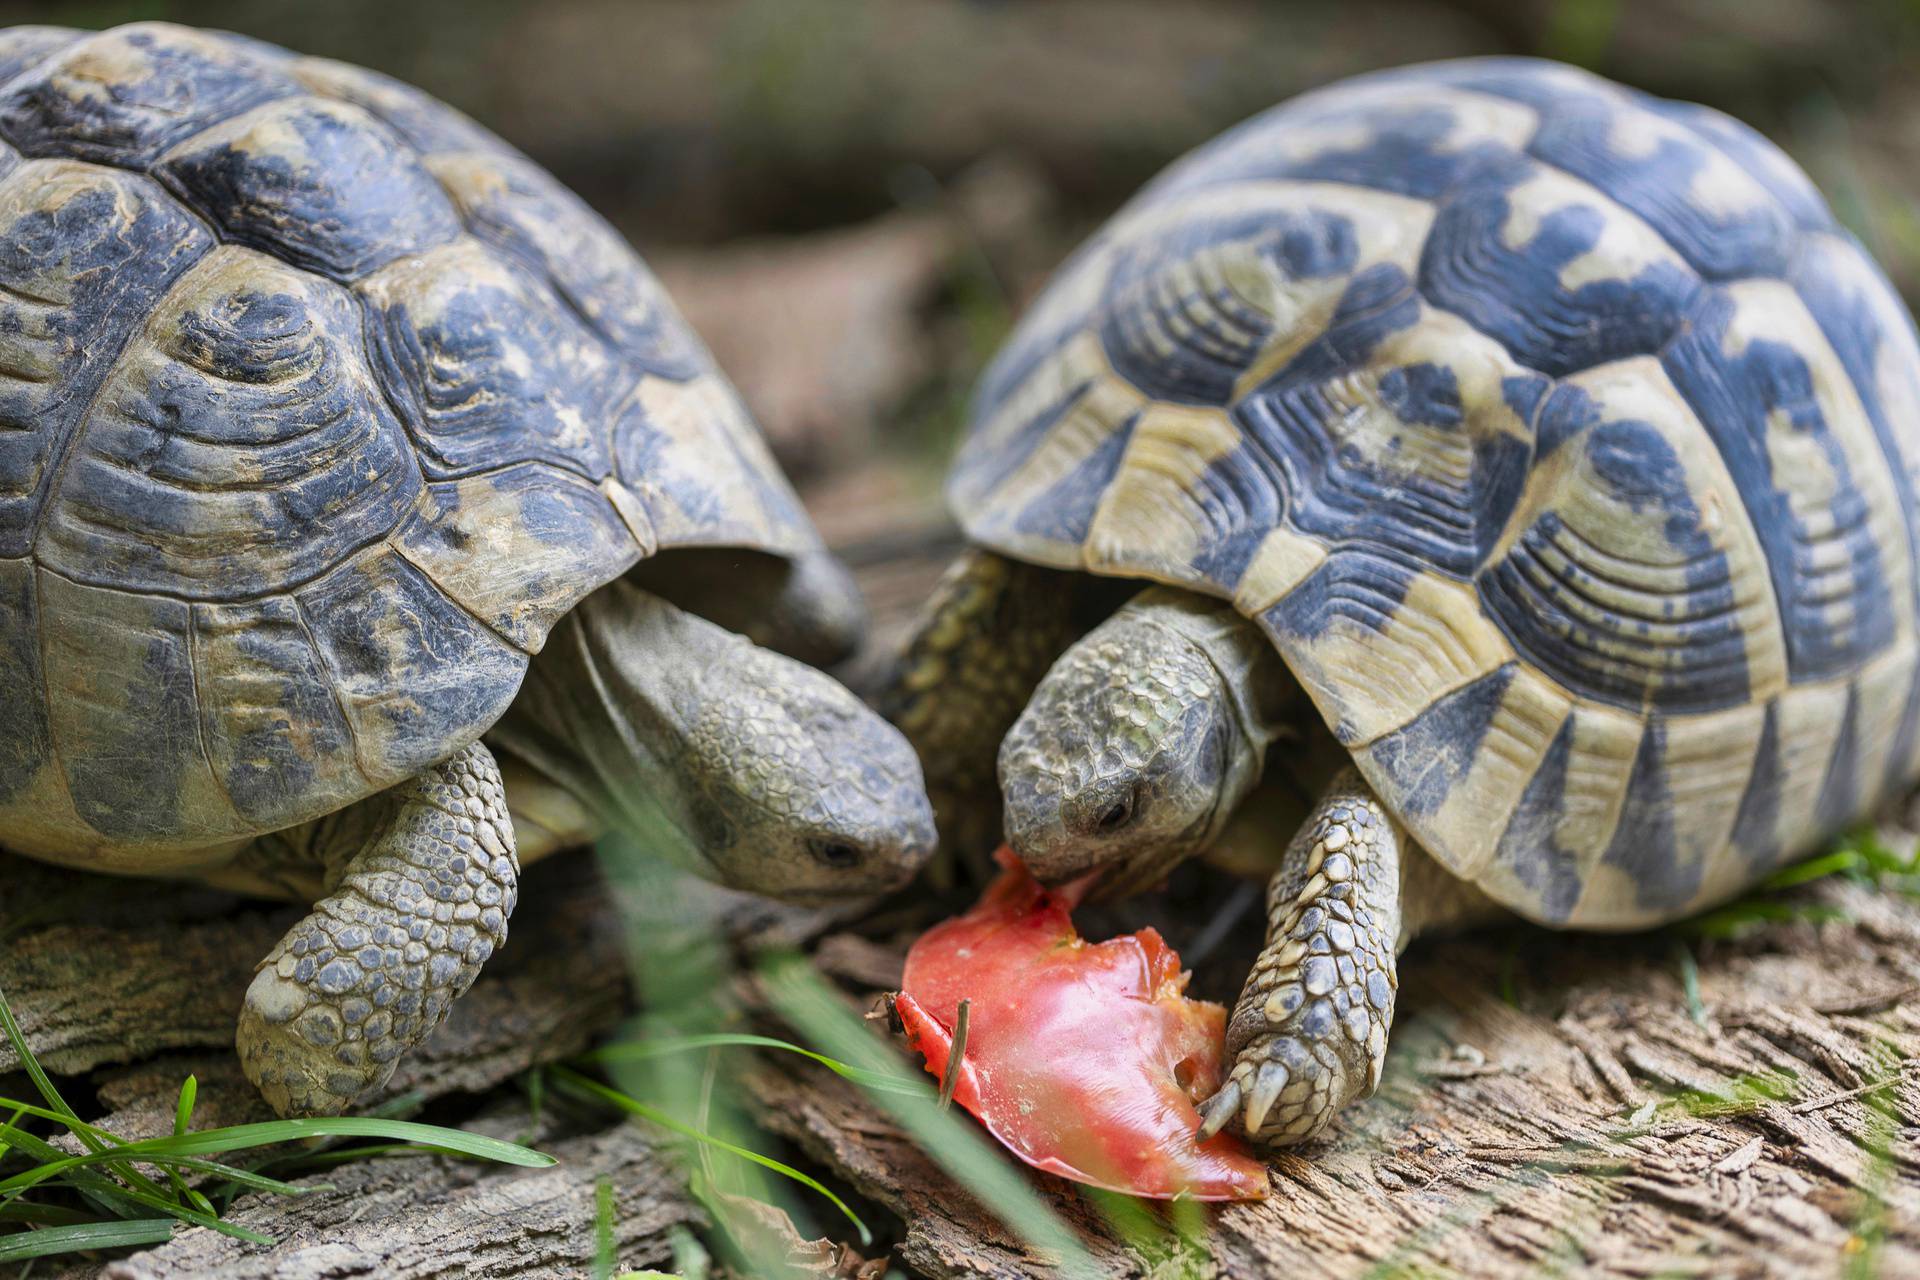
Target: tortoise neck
x,y
605,712
1252,678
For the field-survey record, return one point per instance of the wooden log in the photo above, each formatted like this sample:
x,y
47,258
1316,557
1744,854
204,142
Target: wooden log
x,y
1552,1102
171,977
421,1217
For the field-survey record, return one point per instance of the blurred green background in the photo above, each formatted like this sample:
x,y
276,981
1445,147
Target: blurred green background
x,y
784,163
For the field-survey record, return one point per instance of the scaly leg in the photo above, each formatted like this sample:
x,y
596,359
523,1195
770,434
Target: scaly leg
x,y
992,629
1310,1031
1309,1034
426,879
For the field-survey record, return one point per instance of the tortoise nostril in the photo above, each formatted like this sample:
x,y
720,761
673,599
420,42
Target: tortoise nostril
x,y
837,854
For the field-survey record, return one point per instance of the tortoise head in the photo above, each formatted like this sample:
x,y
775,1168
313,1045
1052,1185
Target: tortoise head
x,y
1129,756
800,790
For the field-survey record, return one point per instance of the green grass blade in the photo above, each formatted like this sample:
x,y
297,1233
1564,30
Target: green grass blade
x,y
265,1133
1827,864
633,1106
20,1182
183,1109
603,1229
90,1137
173,1208
96,1188
105,1139
241,1137
35,1073
806,1002
641,1050
82,1236
1690,981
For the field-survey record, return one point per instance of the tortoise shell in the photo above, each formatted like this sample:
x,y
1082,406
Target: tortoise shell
x,y
1555,434
319,405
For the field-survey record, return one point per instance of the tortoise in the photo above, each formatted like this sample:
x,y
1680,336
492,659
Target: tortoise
x,y
1529,461
334,435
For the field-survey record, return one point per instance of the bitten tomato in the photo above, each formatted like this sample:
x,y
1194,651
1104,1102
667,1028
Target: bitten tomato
x,y
1083,1058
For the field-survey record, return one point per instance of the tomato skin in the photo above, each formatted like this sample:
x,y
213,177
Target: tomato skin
x,y
1083,1058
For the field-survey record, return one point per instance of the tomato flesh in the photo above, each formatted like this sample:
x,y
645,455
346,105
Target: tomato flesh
x,y
1083,1058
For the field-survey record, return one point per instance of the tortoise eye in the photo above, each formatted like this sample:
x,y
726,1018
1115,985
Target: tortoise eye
x,y
837,854
1117,814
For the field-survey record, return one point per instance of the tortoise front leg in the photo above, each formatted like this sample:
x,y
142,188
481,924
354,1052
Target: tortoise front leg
x,y
1310,1031
427,879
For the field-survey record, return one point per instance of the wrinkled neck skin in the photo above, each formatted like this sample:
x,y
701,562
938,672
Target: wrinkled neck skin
x,y
1251,684
605,714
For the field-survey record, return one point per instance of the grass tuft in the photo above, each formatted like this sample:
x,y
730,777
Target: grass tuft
x,y
53,1202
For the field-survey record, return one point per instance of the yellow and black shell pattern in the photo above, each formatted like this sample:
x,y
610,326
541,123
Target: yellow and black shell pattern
x,y
319,405
1556,435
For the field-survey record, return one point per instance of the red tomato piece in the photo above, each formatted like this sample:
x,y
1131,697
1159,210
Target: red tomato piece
x,y
1083,1058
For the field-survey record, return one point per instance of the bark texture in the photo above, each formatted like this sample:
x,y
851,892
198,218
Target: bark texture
x,y
410,1219
1552,1104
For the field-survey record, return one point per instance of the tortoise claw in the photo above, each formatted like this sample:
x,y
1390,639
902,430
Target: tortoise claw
x,y
1217,1110
1268,1080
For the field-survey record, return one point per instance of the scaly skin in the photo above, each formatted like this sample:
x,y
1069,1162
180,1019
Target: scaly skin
x,y
1141,741
368,975
1139,748
1310,1031
732,760
726,758
993,627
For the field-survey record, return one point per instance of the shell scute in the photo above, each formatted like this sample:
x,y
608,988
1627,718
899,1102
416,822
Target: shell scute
x,y
417,675
1556,271
239,445
275,735
1682,798
518,548
1187,314
1416,634
317,183
25,737
1708,188
1632,574
1795,438
491,368
1872,335
124,96
1717,215
514,204
125,717
429,126
1389,132
1400,432
21,48
87,253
